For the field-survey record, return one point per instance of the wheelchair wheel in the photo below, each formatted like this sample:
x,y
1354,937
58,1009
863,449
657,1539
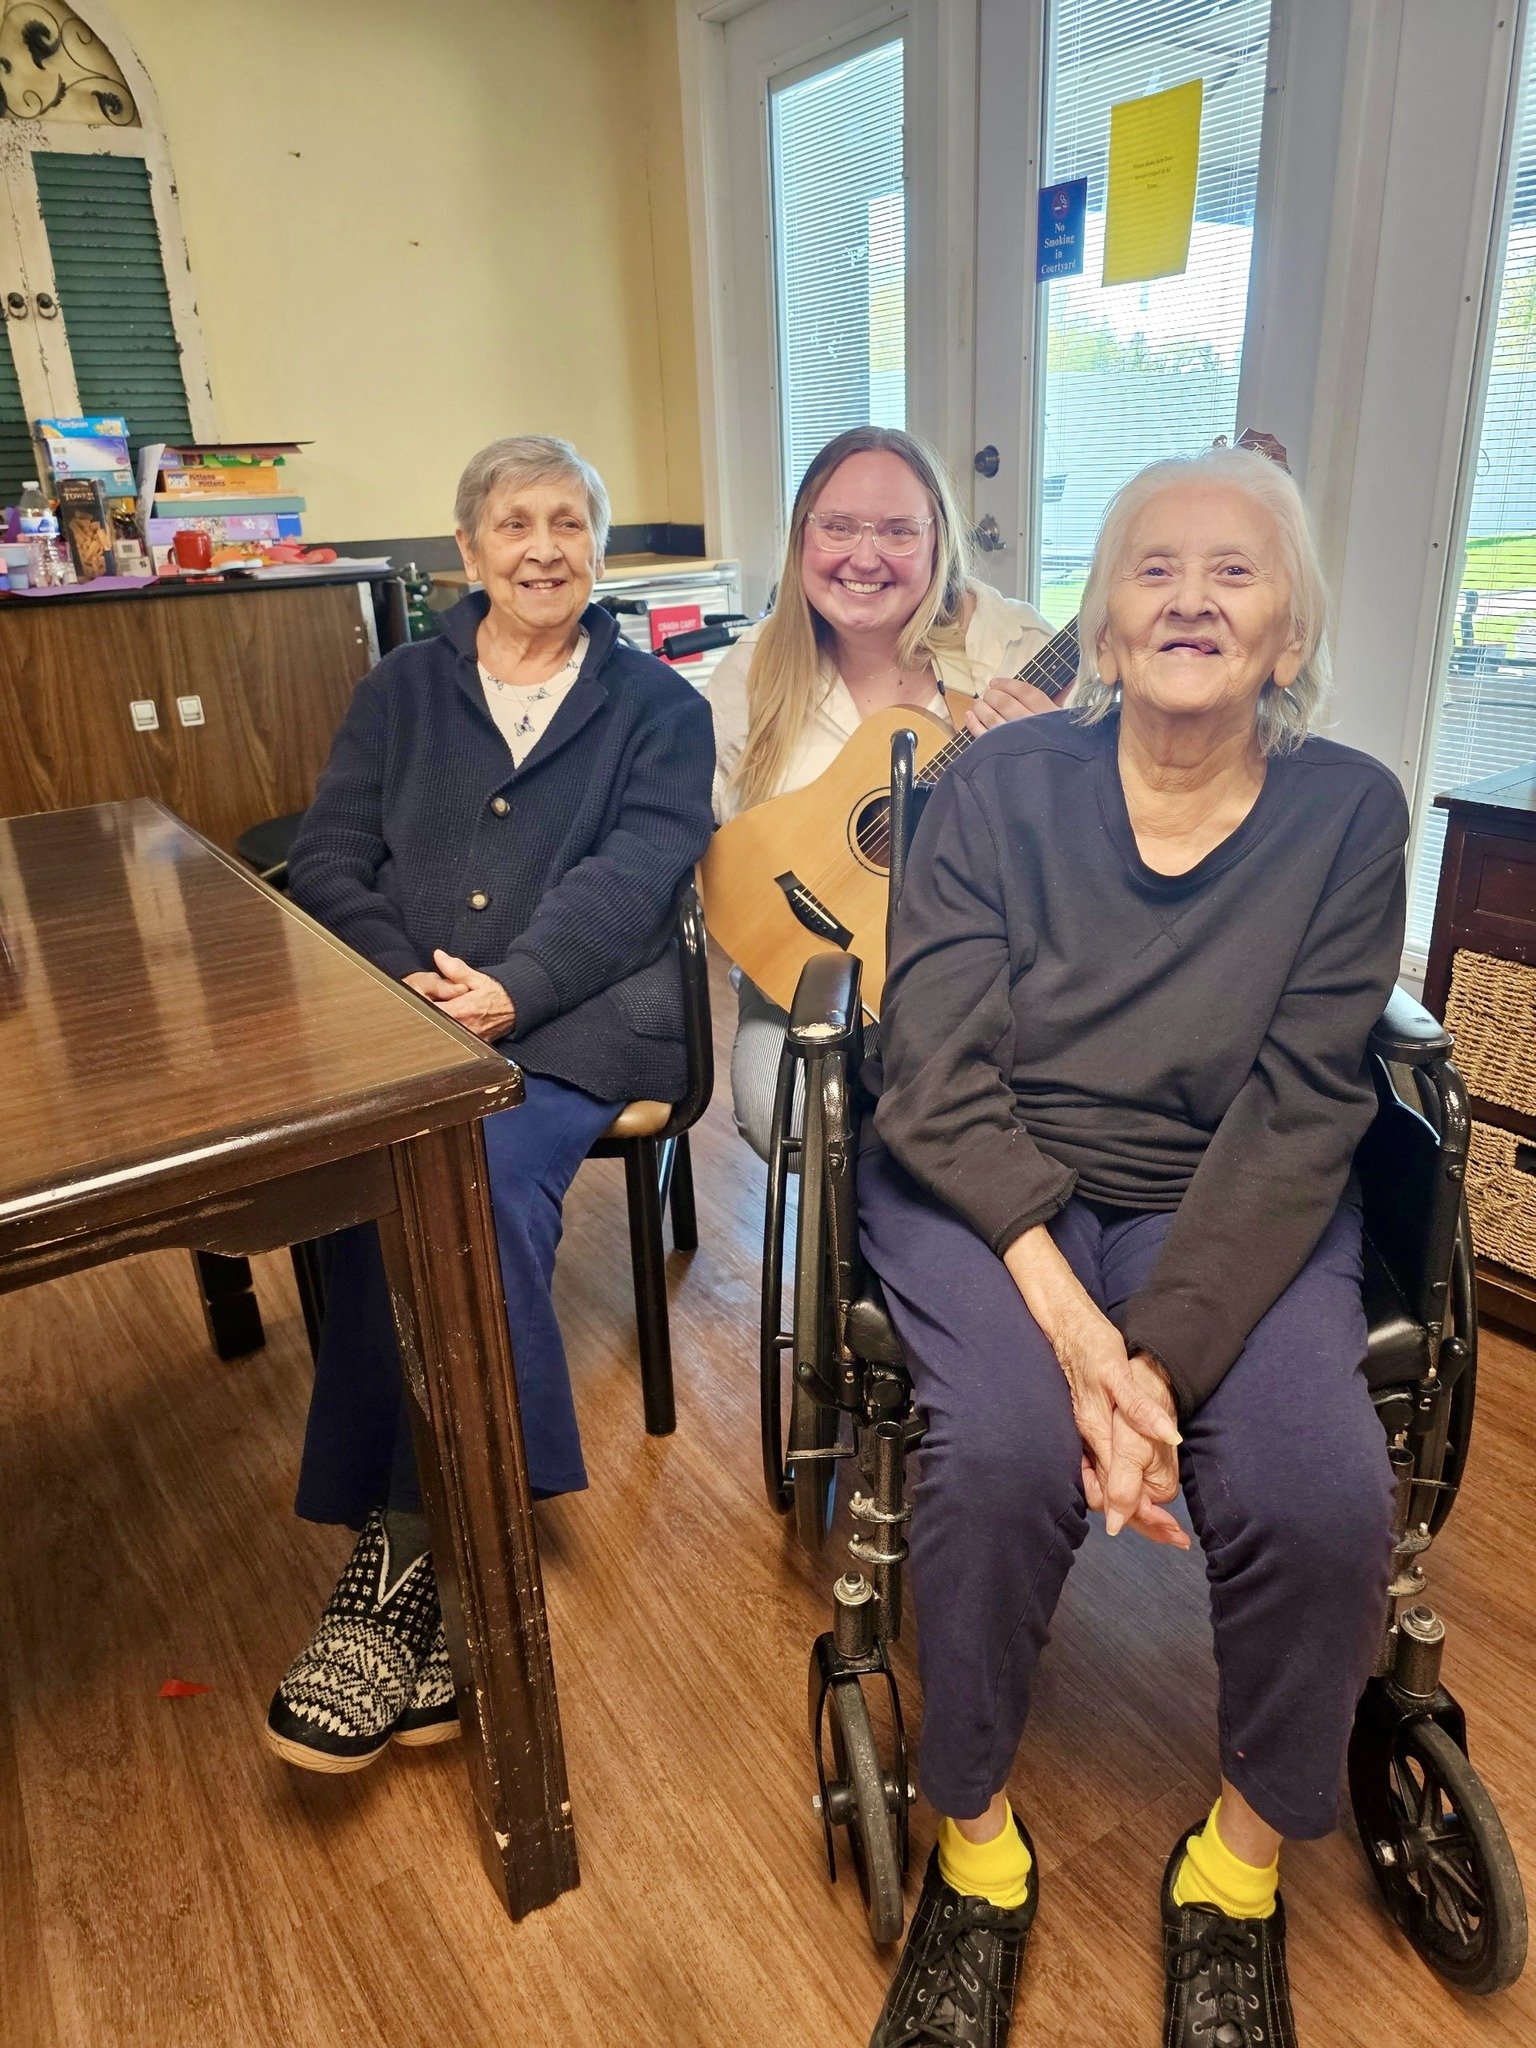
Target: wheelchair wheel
x,y
858,1799
1439,1854
813,1484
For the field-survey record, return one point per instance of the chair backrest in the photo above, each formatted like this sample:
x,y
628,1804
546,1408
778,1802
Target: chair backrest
x,y
1411,1167
698,1026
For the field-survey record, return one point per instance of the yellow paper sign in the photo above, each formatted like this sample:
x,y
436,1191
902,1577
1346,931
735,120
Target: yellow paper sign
x,y
1154,160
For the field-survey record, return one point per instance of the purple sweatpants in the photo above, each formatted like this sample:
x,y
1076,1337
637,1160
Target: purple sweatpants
x,y
1285,1475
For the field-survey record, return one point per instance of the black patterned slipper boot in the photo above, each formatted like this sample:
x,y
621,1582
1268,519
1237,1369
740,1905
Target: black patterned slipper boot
x,y
1225,1981
433,1715
959,1971
344,1694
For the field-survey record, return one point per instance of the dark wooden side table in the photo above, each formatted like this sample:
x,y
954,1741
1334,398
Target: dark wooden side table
x,y
1481,980
190,1060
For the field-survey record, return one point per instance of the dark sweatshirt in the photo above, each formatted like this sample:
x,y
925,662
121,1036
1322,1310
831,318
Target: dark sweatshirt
x,y
1058,1017
557,878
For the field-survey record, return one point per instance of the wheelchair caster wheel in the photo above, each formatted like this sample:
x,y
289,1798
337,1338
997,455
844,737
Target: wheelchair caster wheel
x,y
864,1801
1438,1852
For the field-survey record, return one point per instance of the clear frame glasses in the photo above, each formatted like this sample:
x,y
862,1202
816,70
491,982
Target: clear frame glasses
x,y
836,534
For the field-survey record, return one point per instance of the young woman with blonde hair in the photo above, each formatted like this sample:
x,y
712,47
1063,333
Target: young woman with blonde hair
x,y
876,606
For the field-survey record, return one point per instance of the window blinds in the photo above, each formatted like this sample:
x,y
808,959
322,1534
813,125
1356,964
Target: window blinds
x,y
1140,371
1485,698
839,223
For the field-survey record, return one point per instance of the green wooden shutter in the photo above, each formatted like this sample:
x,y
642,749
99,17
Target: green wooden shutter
x,y
18,458
111,289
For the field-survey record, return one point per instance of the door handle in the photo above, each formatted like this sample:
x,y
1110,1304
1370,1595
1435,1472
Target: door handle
x,y
988,538
16,305
47,306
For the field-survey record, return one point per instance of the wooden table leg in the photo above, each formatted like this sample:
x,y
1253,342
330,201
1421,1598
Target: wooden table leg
x,y
445,1280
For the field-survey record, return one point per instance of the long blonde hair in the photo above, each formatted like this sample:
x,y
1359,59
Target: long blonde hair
x,y
784,683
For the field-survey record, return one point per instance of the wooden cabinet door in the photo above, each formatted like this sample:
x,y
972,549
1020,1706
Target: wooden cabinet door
x,y
274,671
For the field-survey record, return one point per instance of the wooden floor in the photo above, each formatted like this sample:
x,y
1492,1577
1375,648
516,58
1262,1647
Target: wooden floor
x,y
163,1881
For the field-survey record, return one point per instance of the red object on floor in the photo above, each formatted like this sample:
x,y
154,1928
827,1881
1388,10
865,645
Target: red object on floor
x,y
182,1689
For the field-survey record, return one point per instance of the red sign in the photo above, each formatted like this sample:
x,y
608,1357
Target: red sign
x,y
673,618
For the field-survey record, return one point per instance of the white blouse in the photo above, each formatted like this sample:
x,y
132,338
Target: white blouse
x,y
523,714
1003,634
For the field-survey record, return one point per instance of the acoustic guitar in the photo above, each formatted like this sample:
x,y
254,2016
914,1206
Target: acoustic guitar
x,y
809,872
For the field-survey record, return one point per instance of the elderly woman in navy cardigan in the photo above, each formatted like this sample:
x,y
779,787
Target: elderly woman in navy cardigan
x,y
503,823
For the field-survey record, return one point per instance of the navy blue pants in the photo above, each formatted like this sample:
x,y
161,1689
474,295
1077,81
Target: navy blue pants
x,y
1284,1469
357,1445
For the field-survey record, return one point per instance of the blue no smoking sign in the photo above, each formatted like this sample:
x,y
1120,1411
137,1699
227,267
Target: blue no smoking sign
x,y
1063,218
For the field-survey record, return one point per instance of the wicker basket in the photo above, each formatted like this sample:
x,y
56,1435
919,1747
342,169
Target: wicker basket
x,y
1502,1199
1492,1014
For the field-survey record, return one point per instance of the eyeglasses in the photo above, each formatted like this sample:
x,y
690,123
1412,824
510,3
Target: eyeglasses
x,y
837,535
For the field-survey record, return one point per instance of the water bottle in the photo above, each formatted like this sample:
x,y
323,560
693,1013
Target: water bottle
x,y
38,526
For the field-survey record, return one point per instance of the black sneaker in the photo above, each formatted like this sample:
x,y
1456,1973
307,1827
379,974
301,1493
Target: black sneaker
x,y
344,1693
433,1715
1225,1981
960,1968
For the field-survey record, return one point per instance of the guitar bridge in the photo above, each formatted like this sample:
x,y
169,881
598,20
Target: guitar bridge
x,y
812,912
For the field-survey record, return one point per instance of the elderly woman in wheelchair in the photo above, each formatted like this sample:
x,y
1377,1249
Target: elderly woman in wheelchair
x,y
1107,1190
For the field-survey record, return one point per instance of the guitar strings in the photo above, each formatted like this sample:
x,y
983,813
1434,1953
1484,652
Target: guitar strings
x,y
1055,667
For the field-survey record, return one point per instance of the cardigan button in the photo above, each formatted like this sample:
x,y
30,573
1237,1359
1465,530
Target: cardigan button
x,y
500,806
479,900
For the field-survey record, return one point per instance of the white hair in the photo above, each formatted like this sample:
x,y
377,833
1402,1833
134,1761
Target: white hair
x,y
1284,717
529,459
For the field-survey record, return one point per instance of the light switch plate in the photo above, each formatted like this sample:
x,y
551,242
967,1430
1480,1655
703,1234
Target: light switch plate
x,y
145,714
190,710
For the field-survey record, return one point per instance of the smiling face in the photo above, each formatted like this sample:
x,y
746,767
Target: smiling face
x,y
1200,606
860,591
534,552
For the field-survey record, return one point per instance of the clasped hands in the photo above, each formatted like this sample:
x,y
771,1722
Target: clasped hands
x,y
1125,1414
475,1000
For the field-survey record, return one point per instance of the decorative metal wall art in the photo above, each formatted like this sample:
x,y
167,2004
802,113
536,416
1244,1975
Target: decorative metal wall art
x,y
54,67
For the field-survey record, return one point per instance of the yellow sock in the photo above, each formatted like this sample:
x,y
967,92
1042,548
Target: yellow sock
x,y
997,1871
1211,1875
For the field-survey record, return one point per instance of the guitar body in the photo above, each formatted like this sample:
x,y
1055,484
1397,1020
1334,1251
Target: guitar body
x,y
832,839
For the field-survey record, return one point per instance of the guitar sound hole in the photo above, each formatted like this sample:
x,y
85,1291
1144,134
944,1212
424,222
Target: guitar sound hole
x,y
869,833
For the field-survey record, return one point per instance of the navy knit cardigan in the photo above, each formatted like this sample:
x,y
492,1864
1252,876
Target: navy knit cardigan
x,y
557,877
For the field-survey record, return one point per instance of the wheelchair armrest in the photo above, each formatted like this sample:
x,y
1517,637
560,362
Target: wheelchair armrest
x,y
827,1005
1407,1034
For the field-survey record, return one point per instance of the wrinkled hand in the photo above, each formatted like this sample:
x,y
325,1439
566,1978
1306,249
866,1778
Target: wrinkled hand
x,y
475,1000
1104,1381
1004,699
1145,1476
432,986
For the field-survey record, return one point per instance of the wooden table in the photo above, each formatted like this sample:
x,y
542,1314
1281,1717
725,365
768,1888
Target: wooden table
x,y
190,1060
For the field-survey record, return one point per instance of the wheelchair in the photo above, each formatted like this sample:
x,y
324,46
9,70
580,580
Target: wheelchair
x,y
1435,1845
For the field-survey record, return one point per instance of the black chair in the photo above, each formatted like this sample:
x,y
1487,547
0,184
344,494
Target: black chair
x,y
1433,1840
652,1140
650,1137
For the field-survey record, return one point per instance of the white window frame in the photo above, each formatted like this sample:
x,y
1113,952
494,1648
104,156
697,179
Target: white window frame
x,y
1417,235
44,366
941,131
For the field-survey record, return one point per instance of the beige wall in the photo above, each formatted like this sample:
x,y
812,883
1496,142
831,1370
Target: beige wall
x,y
413,227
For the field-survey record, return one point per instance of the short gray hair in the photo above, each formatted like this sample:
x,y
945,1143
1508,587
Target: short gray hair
x,y
529,459
1284,717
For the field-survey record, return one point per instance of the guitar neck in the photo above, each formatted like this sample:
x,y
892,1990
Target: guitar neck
x,y
1053,670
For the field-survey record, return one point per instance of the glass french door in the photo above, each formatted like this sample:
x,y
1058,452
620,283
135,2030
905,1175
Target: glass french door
x,y
833,147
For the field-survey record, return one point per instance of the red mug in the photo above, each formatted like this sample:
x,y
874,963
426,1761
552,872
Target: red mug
x,y
193,548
